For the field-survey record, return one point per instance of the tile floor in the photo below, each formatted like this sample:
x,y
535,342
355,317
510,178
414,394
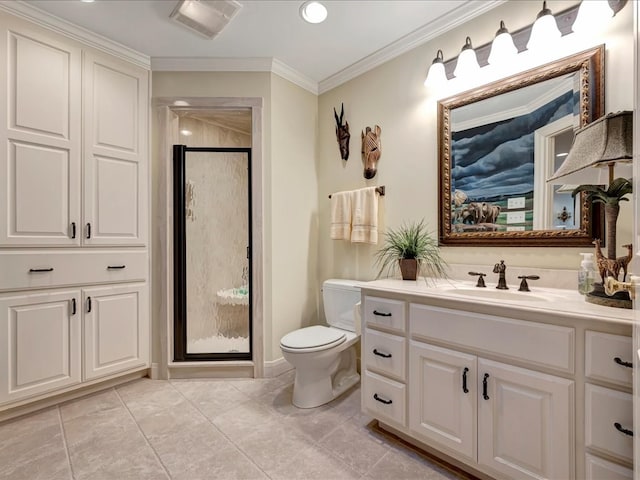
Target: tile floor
x,y
205,429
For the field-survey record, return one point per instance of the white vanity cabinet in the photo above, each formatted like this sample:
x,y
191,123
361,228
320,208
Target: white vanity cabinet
x,y
608,406
499,391
74,262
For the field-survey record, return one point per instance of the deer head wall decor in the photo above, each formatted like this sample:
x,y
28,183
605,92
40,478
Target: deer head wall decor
x,y
371,151
342,134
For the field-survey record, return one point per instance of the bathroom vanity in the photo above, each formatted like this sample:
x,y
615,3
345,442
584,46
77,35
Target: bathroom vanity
x,y
503,384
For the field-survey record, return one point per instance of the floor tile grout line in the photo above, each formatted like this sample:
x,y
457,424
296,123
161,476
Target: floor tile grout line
x,y
220,431
64,442
155,453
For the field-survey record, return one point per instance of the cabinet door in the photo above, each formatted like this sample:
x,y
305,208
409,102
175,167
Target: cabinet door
x,y
115,152
525,422
40,343
116,329
39,137
442,405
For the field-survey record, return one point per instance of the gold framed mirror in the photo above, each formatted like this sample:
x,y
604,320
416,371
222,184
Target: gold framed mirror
x,y
500,142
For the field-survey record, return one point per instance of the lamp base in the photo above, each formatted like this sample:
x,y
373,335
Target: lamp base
x,y
617,300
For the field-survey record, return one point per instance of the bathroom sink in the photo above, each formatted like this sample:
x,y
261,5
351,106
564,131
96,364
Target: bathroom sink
x,y
494,294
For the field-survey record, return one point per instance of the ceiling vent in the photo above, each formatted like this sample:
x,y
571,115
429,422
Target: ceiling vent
x,y
206,17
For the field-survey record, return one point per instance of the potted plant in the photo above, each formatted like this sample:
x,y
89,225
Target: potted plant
x,y
412,248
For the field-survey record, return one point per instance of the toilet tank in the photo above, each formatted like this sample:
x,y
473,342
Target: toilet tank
x,y
339,299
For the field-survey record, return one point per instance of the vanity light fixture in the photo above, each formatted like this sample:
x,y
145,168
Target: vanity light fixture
x,y
591,16
436,75
502,48
467,61
544,31
313,12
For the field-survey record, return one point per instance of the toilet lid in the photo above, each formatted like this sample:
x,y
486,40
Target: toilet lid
x,y
310,337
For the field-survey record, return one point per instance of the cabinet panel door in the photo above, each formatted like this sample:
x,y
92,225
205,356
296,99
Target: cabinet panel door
x,y
442,406
116,329
40,343
40,135
115,176
526,422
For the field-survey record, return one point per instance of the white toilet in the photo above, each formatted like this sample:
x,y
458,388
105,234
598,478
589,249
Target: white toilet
x,y
325,357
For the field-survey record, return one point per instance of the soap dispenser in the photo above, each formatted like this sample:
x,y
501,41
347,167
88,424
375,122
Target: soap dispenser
x,y
586,274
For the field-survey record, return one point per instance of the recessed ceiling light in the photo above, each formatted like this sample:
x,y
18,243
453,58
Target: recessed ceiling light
x,y
313,12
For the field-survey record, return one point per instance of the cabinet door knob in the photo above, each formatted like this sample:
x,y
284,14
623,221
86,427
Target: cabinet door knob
x,y
380,354
464,380
381,314
485,387
382,400
622,363
621,429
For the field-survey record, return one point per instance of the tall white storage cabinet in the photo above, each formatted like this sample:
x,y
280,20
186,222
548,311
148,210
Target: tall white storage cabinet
x,y
74,262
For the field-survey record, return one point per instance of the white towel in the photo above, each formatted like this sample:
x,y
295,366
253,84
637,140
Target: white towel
x,y
341,216
364,208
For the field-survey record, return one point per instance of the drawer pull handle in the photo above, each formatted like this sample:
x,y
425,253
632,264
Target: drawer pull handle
x,y
621,429
464,380
381,314
621,362
73,306
382,400
40,270
380,354
88,304
88,230
484,387
116,267
73,229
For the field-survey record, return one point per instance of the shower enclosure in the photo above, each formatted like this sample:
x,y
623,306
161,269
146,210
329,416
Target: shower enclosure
x,y
212,253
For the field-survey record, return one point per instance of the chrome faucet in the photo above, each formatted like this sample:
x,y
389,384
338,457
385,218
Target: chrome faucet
x,y
501,268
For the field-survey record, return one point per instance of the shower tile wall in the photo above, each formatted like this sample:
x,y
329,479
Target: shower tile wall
x,y
217,236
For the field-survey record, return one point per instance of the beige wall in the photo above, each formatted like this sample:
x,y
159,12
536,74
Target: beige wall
x,y
393,96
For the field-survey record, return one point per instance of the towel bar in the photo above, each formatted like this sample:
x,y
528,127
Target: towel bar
x,y
380,190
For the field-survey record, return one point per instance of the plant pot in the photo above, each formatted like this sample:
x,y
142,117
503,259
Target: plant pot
x,y
409,268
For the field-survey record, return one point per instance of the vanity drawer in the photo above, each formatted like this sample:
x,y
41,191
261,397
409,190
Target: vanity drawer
x,y
384,398
45,268
601,352
385,353
604,408
531,342
385,312
600,469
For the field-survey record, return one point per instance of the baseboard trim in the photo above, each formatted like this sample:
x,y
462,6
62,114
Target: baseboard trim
x,y
28,406
273,368
211,370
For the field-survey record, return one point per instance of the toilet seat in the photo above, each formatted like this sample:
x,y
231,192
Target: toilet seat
x,y
312,339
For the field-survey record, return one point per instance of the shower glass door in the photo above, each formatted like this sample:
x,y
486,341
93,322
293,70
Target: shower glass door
x,y
212,253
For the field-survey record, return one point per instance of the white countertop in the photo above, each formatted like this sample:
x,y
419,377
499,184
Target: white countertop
x,y
551,301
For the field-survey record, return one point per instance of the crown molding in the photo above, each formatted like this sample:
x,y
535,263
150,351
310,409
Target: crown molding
x,y
22,9
217,64
433,29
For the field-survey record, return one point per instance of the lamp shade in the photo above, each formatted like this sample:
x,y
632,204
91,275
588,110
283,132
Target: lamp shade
x,y
502,49
467,61
603,142
591,16
436,75
544,31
